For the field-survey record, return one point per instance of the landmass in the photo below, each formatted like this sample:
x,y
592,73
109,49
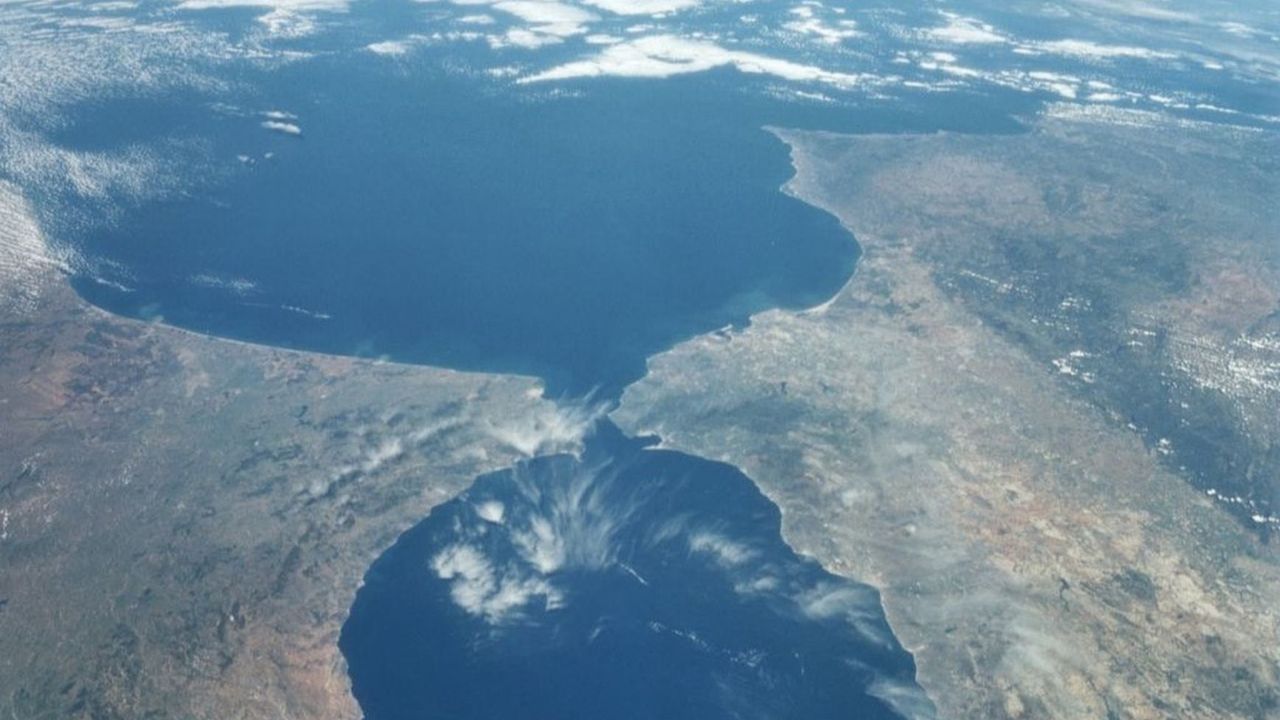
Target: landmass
x,y
1041,417
184,520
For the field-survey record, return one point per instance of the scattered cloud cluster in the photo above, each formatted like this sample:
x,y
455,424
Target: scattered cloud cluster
x,y
807,21
552,521
280,5
234,285
960,30
552,428
811,43
480,589
513,536
660,56
644,7
282,122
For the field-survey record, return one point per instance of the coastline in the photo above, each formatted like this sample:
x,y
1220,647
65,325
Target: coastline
x,y
916,503
211,579
933,461
268,655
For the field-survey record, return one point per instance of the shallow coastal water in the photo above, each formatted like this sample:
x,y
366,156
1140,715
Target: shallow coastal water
x,y
627,583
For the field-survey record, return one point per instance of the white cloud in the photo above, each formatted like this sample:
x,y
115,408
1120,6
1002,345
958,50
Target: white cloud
x,y
542,544
1104,114
287,23
643,7
551,14
313,314
573,520
491,511
283,5
523,38
1140,9
546,22
1087,49
660,56
1239,29
1064,85
549,428
389,450
857,605
236,286
728,553
961,30
807,22
485,591
389,47
828,600
282,127
906,698
950,69
552,523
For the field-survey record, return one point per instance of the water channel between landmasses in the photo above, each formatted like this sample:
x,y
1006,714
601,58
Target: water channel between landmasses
x,y
569,239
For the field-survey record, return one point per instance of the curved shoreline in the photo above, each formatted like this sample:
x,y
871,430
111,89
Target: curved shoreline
x,y
933,460
314,676
951,537
191,516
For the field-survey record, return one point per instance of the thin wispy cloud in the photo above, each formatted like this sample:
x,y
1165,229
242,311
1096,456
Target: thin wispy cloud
x,y
285,128
961,30
551,428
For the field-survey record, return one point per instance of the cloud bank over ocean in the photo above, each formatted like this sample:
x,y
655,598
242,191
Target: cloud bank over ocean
x,y
660,56
1178,59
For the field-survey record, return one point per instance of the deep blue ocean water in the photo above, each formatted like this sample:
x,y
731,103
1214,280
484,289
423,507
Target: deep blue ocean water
x,y
627,584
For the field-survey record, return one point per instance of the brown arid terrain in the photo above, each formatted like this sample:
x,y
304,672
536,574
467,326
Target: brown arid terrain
x,y
184,521
1041,417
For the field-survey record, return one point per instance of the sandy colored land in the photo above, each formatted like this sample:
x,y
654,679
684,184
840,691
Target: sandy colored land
x,y
967,426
